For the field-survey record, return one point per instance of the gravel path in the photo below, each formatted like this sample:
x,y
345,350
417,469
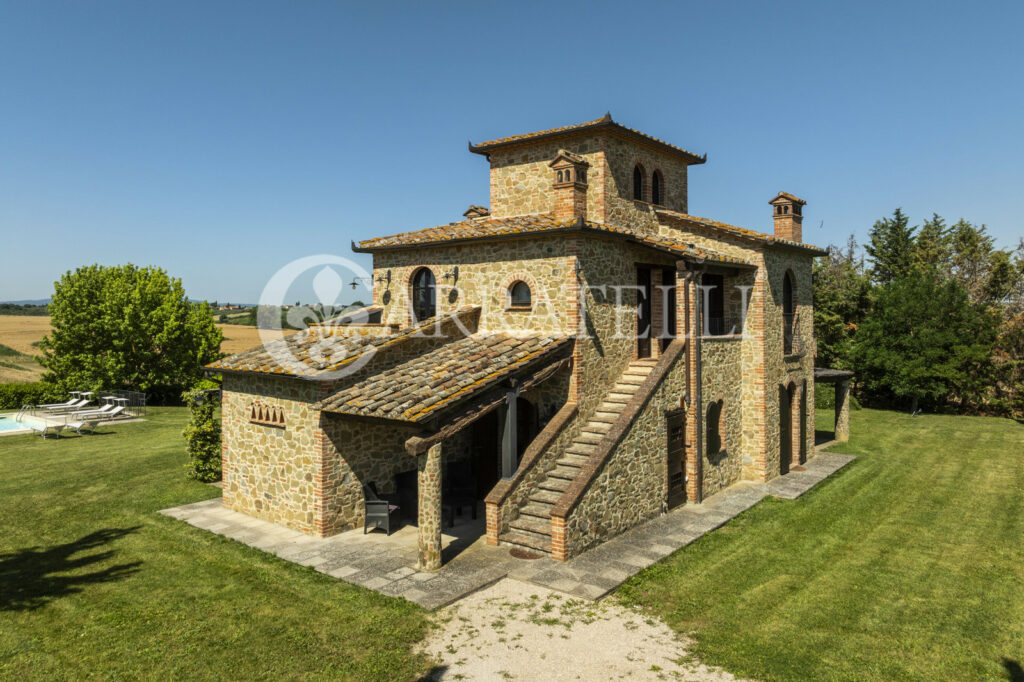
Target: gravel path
x,y
518,631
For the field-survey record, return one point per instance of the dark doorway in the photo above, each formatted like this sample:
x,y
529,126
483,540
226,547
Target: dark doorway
x,y
675,428
715,286
643,312
802,449
487,451
785,430
526,424
668,300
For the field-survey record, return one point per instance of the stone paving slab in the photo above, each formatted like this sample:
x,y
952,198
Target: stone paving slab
x,y
387,564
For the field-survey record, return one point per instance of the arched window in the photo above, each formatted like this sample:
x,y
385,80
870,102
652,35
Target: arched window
x,y
788,312
519,295
656,183
424,301
638,183
714,428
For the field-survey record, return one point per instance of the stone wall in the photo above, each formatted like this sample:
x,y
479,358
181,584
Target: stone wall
x,y
632,484
722,380
271,472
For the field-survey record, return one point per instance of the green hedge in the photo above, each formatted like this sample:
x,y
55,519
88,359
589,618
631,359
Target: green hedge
x,y
13,396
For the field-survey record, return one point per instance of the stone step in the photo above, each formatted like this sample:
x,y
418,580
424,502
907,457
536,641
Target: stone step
x,y
531,524
625,389
540,510
644,362
568,473
606,417
632,379
573,460
618,398
558,485
597,427
581,448
638,370
590,437
613,408
545,496
526,542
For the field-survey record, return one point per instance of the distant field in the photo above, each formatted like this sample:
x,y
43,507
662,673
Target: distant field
x,y
19,332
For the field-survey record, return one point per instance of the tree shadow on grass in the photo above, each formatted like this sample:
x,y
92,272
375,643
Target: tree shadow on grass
x,y
29,577
1013,670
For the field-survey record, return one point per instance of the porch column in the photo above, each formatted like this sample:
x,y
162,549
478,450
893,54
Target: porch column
x,y
428,467
509,446
842,427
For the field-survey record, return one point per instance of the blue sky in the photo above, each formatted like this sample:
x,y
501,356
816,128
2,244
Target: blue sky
x,y
221,140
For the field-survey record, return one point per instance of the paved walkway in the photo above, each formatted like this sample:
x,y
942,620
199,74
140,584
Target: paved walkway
x,y
386,564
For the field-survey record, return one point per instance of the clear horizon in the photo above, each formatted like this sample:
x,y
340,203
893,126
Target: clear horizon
x,y
221,142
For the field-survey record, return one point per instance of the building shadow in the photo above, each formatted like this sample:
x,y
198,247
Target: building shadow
x,y
33,576
1014,672
822,437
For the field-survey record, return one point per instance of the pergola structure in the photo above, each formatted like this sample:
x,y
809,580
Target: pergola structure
x,y
841,379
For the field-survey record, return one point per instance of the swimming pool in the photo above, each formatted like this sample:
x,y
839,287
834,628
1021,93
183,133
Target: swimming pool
x,y
7,423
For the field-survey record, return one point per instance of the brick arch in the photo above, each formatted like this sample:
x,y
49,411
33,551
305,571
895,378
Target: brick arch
x,y
518,276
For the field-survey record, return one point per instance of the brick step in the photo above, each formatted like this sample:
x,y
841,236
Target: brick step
x,y
527,543
572,460
589,437
568,473
581,448
597,427
558,485
606,417
545,496
531,524
540,510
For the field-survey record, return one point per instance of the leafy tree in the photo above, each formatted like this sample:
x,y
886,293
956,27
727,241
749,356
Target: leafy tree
x,y
126,327
891,248
925,342
202,435
841,301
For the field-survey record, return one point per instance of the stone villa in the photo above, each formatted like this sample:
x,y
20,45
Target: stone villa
x,y
579,357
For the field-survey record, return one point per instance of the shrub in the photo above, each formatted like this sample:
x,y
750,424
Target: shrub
x,y
13,396
202,435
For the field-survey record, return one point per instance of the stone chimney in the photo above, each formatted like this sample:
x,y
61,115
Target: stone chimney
x,y
569,185
788,213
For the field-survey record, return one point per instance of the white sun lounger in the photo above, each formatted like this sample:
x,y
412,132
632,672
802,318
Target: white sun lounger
x,y
100,414
90,420
49,428
68,403
76,405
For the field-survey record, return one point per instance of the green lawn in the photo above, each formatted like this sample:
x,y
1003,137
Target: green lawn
x,y
95,583
907,564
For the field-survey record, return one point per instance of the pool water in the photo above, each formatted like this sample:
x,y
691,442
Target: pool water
x,y
7,423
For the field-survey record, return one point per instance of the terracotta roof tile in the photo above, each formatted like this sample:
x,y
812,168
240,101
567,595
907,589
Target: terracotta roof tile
x,y
317,350
603,122
539,224
419,388
762,237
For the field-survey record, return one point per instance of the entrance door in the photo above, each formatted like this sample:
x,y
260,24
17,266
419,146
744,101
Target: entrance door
x,y
643,312
675,427
668,299
785,430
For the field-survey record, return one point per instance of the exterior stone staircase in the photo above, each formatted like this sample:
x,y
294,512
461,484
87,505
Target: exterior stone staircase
x,y
531,530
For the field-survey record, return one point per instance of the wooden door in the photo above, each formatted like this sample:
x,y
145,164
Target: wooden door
x,y
675,428
643,312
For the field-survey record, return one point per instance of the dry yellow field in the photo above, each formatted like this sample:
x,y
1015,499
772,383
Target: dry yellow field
x,y
21,331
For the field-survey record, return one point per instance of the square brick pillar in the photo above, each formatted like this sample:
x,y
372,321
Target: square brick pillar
x,y
428,481
842,427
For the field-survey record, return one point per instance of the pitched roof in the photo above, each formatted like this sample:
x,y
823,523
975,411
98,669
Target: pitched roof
x,y
480,229
605,122
788,197
742,232
317,350
428,384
